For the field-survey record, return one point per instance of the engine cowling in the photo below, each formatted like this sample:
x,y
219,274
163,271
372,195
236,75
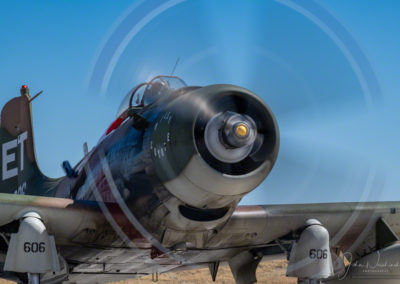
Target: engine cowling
x,y
214,144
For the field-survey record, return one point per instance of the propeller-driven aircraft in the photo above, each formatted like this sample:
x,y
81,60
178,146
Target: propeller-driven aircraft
x,y
160,193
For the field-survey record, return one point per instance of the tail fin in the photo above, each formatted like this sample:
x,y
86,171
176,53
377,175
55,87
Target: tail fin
x,y
19,171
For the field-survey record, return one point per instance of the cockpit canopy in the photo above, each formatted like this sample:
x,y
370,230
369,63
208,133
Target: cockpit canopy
x,y
147,93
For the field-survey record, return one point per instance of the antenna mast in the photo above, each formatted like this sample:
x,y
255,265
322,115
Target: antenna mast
x,y
176,64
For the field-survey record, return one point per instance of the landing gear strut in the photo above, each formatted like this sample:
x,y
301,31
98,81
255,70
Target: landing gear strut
x,y
33,278
32,250
310,257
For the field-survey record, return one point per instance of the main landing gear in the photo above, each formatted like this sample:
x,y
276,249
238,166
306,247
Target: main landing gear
x,y
32,251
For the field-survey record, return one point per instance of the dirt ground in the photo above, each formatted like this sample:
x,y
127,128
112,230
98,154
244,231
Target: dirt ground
x,y
272,272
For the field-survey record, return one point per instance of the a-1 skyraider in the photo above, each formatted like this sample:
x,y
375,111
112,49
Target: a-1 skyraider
x,y
160,193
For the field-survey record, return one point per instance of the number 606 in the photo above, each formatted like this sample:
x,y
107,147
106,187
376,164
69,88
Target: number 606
x,y
318,253
34,247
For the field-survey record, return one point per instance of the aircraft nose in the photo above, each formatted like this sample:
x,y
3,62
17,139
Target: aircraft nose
x,y
229,136
239,130
214,144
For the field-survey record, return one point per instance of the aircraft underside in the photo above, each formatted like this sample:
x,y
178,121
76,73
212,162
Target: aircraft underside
x,y
89,253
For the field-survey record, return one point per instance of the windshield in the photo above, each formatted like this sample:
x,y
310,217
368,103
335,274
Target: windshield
x,y
147,93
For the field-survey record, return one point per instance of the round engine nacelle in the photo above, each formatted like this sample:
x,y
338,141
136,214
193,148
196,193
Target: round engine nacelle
x,y
214,144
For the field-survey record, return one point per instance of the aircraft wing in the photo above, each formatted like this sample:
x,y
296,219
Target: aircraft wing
x,y
264,232
348,223
63,217
270,231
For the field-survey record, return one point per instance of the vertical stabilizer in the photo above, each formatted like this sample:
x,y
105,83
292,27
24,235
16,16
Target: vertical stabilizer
x,y
19,171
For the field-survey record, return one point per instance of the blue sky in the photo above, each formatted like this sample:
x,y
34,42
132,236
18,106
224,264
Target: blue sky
x,y
328,69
